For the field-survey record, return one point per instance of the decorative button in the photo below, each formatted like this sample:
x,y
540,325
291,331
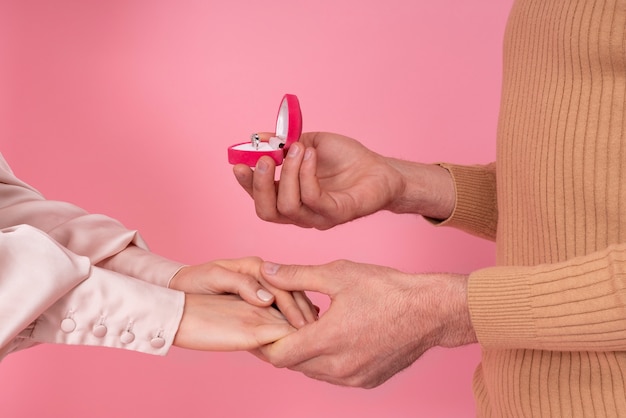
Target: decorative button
x,y
99,330
127,337
68,325
157,342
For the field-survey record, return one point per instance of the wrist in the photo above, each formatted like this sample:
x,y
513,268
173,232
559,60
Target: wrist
x,y
428,190
177,276
457,329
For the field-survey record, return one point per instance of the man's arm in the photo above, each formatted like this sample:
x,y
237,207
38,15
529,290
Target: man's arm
x,y
329,179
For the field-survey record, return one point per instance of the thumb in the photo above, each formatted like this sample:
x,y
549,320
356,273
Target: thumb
x,y
294,278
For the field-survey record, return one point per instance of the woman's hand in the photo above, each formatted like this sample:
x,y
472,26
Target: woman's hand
x,y
227,323
243,277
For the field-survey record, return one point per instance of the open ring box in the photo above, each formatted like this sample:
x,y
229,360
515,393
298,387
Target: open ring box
x,y
288,130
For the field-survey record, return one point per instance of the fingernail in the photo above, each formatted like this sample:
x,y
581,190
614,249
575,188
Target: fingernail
x,y
264,295
308,153
262,166
270,268
294,150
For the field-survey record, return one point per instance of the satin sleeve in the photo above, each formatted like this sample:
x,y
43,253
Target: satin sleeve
x,y
49,294
97,237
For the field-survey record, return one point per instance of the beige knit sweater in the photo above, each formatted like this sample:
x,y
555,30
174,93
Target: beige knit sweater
x,y
551,316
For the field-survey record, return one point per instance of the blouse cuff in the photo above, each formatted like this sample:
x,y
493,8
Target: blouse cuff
x,y
111,310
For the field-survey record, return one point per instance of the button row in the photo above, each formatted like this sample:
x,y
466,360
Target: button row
x,y
100,330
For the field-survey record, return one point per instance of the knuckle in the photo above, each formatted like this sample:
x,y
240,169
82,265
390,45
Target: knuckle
x,y
258,186
345,373
264,215
286,208
278,363
315,137
323,227
356,379
368,384
310,199
340,265
252,260
249,282
255,259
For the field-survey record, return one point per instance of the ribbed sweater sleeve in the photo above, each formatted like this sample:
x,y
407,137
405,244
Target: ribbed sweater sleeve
x,y
578,304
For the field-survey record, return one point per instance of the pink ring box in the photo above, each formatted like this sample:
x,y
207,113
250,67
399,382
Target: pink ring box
x,y
288,130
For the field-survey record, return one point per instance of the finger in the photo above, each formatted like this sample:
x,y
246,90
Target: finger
x,y
289,202
322,207
269,333
310,312
244,176
258,354
265,136
246,265
264,189
289,187
293,349
322,204
242,277
310,189
289,307
293,277
244,285
309,139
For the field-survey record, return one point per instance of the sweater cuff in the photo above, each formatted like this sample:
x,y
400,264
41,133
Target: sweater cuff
x,y
500,307
475,210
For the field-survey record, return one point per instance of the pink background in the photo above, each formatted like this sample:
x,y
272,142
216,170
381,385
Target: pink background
x,y
126,107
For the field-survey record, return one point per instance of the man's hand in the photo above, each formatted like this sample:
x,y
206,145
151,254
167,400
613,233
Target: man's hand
x,y
329,179
326,180
379,322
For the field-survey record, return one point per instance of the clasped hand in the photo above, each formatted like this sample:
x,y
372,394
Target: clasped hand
x,y
379,322
227,307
